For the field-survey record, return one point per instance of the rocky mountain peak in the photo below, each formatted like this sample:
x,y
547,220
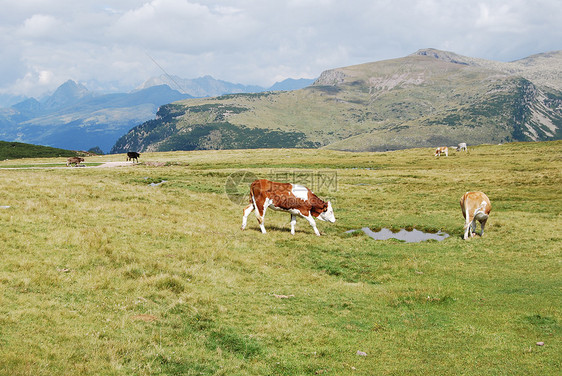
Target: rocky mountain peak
x,y
68,93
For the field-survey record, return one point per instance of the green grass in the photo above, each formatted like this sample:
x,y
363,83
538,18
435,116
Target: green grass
x,y
44,165
11,150
104,274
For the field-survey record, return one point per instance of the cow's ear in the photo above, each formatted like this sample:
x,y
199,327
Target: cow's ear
x,y
325,207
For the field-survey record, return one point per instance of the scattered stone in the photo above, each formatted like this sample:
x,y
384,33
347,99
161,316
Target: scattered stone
x,y
155,164
540,343
283,296
361,353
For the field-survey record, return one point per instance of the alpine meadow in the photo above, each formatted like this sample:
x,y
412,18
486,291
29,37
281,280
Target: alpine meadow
x,y
143,269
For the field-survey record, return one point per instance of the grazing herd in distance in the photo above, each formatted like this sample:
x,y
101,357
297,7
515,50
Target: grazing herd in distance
x,y
134,156
131,156
445,150
300,201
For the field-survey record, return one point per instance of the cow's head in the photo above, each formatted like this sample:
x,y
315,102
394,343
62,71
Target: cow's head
x,y
328,213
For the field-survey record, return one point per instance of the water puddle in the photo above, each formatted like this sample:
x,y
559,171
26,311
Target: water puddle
x,y
157,184
412,236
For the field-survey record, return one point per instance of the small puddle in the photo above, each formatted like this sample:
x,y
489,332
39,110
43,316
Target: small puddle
x,y
413,236
157,184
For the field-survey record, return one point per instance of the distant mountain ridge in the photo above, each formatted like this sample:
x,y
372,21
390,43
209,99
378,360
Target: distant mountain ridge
x,y
77,119
208,86
542,69
429,98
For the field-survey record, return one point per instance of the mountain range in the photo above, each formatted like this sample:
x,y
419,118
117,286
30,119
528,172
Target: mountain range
x,y
208,86
429,98
75,118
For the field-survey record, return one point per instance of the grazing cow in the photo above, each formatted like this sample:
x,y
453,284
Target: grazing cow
x,y
133,155
293,198
475,207
442,150
74,160
462,146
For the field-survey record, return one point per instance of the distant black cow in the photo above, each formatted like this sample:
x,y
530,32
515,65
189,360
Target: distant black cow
x,y
74,161
133,155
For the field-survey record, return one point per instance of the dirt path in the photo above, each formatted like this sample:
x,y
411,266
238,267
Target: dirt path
x,y
114,164
102,165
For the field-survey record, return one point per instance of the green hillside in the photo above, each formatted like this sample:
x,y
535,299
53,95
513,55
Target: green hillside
x,y
418,100
16,150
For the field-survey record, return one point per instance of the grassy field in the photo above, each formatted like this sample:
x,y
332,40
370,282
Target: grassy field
x,y
13,150
103,273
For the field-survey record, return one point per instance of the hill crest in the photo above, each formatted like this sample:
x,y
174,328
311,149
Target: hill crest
x,y
428,98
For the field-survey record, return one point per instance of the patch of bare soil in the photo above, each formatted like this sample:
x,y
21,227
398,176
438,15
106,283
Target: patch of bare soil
x,y
114,164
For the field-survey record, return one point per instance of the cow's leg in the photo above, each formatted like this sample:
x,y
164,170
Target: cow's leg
x,y
262,227
473,228
247,210
261,216
467,230
310,219
467,224
293,221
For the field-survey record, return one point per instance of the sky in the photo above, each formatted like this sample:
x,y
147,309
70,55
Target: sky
x,y
114,46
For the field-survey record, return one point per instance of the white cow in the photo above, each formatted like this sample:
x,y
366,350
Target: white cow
x,y
462,146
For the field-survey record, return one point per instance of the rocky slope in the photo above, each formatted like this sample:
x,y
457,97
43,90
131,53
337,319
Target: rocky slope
x,y
429,98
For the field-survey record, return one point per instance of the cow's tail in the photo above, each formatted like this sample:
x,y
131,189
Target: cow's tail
x,y
251,196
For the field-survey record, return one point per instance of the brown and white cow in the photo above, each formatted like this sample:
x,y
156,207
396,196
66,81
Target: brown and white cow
x,y
74,160
442,150
475,207
293,198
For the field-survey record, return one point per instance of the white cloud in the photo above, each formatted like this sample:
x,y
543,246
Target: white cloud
x,y
45,77
252,41
182,26
38,26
